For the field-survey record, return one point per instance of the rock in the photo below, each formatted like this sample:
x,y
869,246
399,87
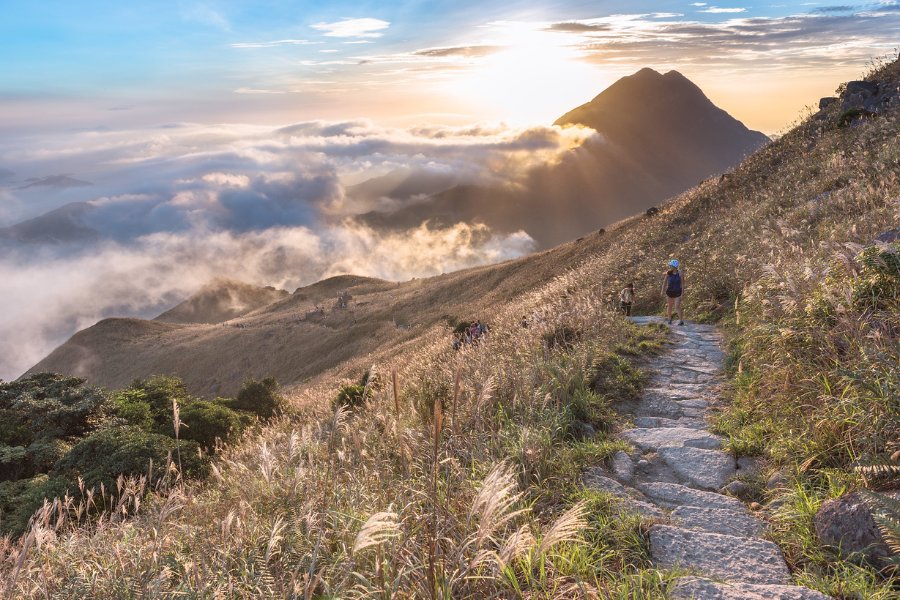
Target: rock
x,y
847,524
724,557
718,520
749,465
888,237
660,437
895,457
697,588
651,422
673,495
826,102
738,489
708,469
583,431
777,480
623,466
754,506
630,497
865,88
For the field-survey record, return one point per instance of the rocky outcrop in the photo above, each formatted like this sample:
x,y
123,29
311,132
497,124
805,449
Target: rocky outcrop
x,y
846,523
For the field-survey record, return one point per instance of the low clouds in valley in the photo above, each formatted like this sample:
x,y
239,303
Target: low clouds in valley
x,y
168,209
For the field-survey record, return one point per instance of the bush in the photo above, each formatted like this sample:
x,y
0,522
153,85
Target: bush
x,y
104,455
205,422
352,396
260,397
49,404
20,499
148,403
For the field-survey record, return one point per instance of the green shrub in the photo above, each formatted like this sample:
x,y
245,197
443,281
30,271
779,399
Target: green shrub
x,y
102,456
206,421
49,404
148,403
352,396
20,499
260,397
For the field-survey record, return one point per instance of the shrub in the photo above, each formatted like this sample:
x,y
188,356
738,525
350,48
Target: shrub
x,y
260,397
102,456
148,403
20,499
206,421
49,404
352,396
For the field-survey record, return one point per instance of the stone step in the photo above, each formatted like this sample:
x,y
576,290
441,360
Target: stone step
x,y
655,422
661,437
697,588
708,469
728,521
632,499
673,495
723,557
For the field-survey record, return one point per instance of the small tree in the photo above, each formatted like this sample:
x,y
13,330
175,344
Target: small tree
x,y
260,397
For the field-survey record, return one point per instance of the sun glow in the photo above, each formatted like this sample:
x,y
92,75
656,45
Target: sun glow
x,y
535,77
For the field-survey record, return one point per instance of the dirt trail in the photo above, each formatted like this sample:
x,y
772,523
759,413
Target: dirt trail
x,y
675,475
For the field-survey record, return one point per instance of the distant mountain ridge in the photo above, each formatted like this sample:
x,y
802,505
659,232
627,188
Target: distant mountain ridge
x,y
659,136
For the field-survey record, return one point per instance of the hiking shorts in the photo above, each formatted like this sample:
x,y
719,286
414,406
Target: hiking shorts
x,y
674,294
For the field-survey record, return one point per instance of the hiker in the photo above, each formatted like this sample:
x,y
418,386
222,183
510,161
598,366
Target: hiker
x,y
524,322
626,297
673,288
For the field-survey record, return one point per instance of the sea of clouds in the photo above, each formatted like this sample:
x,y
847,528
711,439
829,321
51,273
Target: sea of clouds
x,y
162,211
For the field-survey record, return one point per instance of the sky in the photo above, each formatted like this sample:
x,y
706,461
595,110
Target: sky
x,y
100,63
194,139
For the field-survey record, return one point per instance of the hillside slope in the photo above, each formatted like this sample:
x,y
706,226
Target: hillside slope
x,y
464,480
221,300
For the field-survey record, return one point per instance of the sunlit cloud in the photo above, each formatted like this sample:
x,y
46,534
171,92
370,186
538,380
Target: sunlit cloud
x,y
363,28
273,44
716,10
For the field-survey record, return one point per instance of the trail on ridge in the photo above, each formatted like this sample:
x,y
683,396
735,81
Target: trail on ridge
x,y
674,475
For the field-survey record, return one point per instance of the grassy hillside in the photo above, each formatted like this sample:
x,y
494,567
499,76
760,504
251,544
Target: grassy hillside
x,y
462,480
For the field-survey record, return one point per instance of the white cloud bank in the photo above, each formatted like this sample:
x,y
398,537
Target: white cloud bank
x,y
176,207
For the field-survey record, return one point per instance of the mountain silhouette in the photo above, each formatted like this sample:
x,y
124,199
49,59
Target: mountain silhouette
x,y
659,135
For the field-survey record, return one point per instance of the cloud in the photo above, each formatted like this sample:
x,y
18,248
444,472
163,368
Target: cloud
x,y
579,27
458,51
813,40
273,44
361,28
716,10
834,9
58,182
176,207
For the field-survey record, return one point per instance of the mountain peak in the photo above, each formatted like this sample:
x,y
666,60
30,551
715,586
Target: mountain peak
x,y
666,108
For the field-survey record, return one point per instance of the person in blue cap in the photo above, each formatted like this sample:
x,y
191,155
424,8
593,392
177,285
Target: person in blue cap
x,y
673,288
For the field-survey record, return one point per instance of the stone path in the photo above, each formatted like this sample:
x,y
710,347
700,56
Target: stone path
x,y
674,476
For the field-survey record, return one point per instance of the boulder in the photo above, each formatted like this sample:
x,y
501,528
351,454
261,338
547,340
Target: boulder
x,y
864,88
846,523
826,102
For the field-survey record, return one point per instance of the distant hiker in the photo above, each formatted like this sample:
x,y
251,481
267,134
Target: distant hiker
x,y
524,322
626,297
673,288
